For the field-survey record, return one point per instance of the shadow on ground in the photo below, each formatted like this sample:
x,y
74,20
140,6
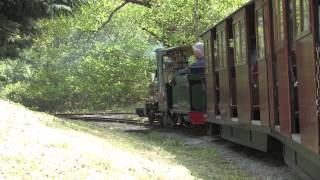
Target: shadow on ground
x,y
158,144
205,157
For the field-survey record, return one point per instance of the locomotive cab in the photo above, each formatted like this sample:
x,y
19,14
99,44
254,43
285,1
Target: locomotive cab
x,y
188,96
179,93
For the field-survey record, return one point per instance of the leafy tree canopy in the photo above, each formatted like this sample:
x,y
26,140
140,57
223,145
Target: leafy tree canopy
x,y
17,21
102,55
172,22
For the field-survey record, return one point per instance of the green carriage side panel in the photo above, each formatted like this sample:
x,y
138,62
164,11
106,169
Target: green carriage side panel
x,y
181,94
198,93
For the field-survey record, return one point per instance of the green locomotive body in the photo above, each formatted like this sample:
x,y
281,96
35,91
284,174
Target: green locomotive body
x,y
179,92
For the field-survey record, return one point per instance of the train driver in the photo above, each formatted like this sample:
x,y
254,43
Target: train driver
x,y
198,50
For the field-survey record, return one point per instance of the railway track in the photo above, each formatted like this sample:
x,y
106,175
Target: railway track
x,y
246,158
98,113
102,117
114,118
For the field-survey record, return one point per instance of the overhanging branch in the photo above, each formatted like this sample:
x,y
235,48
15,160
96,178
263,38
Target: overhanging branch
x,y
158,38
145,3
111,15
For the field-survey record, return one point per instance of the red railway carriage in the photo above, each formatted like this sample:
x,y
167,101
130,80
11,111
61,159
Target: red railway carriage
x,y
263,79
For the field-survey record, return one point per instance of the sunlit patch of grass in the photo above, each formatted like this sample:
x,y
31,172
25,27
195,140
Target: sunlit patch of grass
x,y
203,162
57,145
17,166
37,146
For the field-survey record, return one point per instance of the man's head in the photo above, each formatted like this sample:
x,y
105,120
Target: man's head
x,y
198,49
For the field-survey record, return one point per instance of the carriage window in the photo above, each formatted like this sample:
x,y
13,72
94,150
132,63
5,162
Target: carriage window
x,y
206,52
260,36
298,15
224,51
240,42
237,43
243,42
281,24
279,21
221,49
208,56
209,48
216,54
302,16
305,10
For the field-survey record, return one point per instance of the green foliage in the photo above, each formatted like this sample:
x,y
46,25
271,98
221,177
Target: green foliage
x,y
172,22
75,64
17,21
71,70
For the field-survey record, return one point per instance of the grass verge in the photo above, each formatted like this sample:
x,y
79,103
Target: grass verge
x,y
38,146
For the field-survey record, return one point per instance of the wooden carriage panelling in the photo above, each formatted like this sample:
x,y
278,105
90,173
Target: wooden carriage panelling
x,y
272,101
261,17
241,66
209,73
305,43
281,65
221,68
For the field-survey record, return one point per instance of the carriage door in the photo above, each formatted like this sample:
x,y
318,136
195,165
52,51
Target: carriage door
x,y
210,94
216,78
281,68
222,71
232,72
305,43
261,66
255,67
241,67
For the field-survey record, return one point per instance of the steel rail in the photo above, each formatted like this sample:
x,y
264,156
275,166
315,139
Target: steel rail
x,y
98,118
